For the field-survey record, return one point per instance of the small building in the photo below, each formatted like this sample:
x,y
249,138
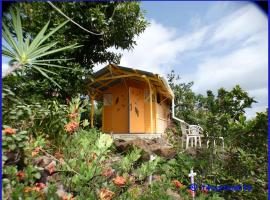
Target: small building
x,y
135,102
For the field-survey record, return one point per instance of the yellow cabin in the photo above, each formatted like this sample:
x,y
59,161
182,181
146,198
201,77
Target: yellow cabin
x,y
134,101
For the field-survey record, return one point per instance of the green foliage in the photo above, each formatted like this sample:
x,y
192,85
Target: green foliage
x,y
86,160
26,51
147,169
120,23
127,163
14,141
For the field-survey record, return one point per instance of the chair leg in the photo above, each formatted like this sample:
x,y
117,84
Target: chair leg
x,y
195,141
214,143
182,142
200,141
207,144
187,141
222,139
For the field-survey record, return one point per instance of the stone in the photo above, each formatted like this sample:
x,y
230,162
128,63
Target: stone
x,y
155,146
173,194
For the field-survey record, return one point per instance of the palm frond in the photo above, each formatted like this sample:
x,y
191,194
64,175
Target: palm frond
x,y
28,53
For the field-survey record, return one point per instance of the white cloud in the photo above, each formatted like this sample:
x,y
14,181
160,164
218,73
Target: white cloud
x,y
158,48
4,68
243,22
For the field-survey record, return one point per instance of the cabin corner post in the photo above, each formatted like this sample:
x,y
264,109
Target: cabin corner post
x,y
92,97
151,104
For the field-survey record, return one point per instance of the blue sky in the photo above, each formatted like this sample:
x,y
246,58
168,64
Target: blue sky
x,y
215,44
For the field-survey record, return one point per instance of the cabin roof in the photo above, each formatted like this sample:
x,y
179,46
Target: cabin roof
x,y
113,74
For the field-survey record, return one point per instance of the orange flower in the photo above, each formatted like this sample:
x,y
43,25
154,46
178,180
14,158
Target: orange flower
x,y
67,197
105,194
107,172
51,167
71,126
20,175
36,151
119,181
9,131
177,184
37,188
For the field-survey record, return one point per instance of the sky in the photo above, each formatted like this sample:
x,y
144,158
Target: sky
x,y
214,44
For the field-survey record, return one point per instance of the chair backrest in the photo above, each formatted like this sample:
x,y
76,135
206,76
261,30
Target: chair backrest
x,y
195,129
184,128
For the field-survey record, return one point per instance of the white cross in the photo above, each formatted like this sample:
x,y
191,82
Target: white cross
x,y
191,175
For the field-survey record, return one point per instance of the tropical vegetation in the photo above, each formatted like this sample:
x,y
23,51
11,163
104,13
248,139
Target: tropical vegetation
x,y
50,152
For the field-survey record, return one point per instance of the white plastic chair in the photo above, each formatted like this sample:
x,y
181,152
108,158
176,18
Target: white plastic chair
x,y
197,133
185,133
190,133
221,138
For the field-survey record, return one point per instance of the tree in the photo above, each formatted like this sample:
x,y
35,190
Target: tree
x,y
115,23
25,53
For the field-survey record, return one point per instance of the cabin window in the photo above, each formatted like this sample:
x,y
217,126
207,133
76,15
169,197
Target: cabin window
x,y
107,99
158,98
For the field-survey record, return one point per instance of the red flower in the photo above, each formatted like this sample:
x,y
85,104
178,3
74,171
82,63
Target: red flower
x,y
191,192
204,190
119,181
40,186
177,184
9,131
105,194
71,126
67,197
20,175
107,172
36,151
51,167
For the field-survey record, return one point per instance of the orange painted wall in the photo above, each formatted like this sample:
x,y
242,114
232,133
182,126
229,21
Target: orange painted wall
x,y
136,110
115,117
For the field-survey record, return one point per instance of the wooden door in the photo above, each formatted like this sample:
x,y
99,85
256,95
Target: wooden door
x,y
136,110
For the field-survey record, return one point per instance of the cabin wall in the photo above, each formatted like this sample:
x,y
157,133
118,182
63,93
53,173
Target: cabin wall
x,y
147,115
162,117
115,116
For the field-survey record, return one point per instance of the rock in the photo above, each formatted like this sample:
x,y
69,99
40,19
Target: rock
x,y
15,157
125,145
42,161
165,152
173,194
155,146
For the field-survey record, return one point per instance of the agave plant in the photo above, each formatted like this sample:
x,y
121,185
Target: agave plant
x,y
26,51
